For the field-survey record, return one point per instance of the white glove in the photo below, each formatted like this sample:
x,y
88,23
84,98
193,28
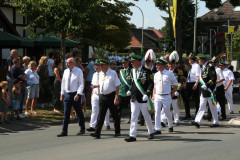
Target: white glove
x,y
176,93
145,97
204,87
129,93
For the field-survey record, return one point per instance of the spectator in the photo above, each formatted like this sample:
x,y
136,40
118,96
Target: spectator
x,y
5,101
17,73
88,74
16,93
32,86
50,64
45,92
76,53
58,72
26,61
68,55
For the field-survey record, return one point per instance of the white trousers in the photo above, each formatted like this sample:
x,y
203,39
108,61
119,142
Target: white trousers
x,y
135,111
202,108
95,109
164,101
175,112
228,95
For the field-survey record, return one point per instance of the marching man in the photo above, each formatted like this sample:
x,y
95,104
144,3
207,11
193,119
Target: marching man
x,y
208,79
142,84
162,94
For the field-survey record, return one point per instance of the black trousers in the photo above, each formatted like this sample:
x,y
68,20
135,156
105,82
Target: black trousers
x,y
220,96
124,102
189,92
107,102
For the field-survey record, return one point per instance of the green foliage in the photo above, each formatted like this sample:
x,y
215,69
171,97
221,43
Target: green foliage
x,y
235,46
211,4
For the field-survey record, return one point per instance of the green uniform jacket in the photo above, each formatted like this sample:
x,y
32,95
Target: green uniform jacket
x,y
123,87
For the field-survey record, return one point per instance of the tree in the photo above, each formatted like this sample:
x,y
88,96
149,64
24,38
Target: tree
x,y
61,17
211,4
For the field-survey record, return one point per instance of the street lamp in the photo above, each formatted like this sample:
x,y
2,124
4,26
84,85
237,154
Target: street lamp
x,y
195,29
142,27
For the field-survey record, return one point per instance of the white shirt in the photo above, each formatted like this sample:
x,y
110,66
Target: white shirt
x,y
220,76
76,81
32,77
108,82
194,73
228,75
95,81
50,64
168,79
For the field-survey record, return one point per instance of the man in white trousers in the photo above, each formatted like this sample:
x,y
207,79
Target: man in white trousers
x,y
228,85
95,100
164,81
140,91
208,80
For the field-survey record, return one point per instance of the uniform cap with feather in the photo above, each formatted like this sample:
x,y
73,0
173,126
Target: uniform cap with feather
x,y
150,56
174,57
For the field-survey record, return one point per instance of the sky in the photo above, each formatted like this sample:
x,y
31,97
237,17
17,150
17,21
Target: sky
x,y
152,15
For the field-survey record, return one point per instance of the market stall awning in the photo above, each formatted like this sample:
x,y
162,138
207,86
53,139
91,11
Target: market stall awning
x,y
52,41
8,40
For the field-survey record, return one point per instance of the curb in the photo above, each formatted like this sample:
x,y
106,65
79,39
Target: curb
x,y
234,121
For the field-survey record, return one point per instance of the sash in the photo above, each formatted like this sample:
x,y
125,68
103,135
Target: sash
x,y
123,78
213,98
151,110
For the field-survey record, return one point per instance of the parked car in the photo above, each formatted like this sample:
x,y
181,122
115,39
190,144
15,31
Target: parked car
x,y
236,82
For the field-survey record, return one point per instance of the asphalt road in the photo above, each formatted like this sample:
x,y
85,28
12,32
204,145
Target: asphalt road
x,y
33,140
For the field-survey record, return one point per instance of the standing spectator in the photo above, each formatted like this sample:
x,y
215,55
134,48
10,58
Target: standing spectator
x,y
32,86
71,91
58,72
68,55
13,54
16,93
26,61
5,101
50,64
45,93
17,73
88,73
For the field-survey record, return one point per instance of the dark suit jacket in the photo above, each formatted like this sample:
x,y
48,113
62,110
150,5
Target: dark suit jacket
x,y
146,81
209,76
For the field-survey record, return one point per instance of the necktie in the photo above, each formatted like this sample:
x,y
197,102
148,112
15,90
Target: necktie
x,y
189,74
103,82
69,80
161,83
98,83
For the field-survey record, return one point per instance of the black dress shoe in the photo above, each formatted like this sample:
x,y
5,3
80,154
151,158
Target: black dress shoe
x,y
214,125
62,134
170,129
81,132
130,139
157,132
97,136
195,124
108,128
90,129
117,135
150,136
163,124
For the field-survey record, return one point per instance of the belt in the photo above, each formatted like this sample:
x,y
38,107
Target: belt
x,y
108,94
72,92
163,94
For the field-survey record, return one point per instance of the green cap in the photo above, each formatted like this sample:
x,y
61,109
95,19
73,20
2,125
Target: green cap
x,y
192,57
136,57
104,61
202,56
221,63
161,61
97,61
125,59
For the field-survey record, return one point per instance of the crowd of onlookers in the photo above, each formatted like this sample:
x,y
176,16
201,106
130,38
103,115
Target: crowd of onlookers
x,y
28,82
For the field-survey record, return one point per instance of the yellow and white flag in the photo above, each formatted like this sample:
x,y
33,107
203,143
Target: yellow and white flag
x,y
173,11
